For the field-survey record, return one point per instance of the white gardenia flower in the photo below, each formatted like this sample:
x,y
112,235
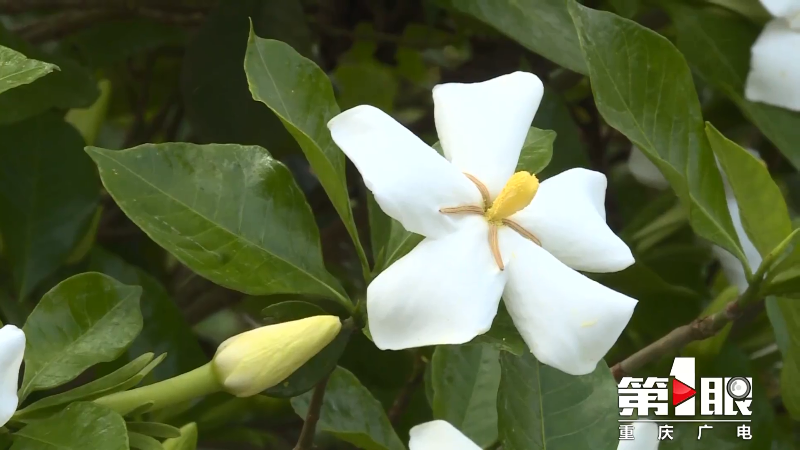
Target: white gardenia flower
x,y
12,348
775,60
440,435
648,174
489,232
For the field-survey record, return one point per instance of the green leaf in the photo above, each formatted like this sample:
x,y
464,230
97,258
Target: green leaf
x,y
764,214
165,329
300,94
351,413
72,86
291,310
16,69
465,379
540,407
143,442
542,26
213,85
154,429
503,333
366,83
568,149
80,426
230,212
116,381
788,313
84,320
643,87
48,194
537,151
187,441
313,371
717,46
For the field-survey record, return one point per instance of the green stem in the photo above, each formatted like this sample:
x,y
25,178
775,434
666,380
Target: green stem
x,y
197,383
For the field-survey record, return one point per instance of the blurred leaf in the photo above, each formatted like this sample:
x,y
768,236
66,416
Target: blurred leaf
x,y
352,414
465,379
789,313
165,329
711,347
230,212
310,373
113,382
568,149
626,8
543,26
84,320
213,84
187,441
503,333
717,46
80,426
300,94
543,408
365,83
291,310
48,193
154,429
537,150
16,69
143,442
652,101
89,120
109,42
72,86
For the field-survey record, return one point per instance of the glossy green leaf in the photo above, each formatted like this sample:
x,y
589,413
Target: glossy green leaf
x,y
72,86
165,329
48,193
717,46
113,382
187,440
154,429
643,87
537,151
351,413
465,379
763,210
143,442
84,320
540,407
232,213
310,373
542,26
16,69
213,85
291,310
80,426
300,94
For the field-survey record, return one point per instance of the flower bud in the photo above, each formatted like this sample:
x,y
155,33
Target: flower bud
x,y
251,362
12,348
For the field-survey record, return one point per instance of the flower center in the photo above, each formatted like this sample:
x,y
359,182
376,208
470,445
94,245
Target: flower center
x,y
515,196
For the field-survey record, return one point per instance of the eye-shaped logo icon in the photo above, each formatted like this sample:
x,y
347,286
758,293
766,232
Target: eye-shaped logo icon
x,y
738,388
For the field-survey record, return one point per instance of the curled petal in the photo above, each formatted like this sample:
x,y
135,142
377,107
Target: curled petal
x,y
482,126
775,66
445,291
12,349
645,437
410,181
568,216
568,321
439,435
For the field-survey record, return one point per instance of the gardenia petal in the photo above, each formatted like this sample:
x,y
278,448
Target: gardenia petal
x,y
645,437
482,126
775,67
782,8
438,435
445,291
410,181
12,349
644,171
568,216
568,321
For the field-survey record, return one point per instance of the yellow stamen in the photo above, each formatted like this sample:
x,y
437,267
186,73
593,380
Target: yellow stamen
x,y
516,195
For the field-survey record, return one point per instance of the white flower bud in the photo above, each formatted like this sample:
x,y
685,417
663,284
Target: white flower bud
x,y
12,348
251,362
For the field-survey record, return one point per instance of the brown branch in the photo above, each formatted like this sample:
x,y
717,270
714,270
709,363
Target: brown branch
x,y
306,440
404,396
